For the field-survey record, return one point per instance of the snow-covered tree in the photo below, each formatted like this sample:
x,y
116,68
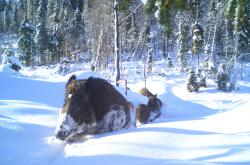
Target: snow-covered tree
x,y
169,62
208,65
192,84
55,40
16,22
181,40
26,44
41,32
77,31
6,20
197,41
201,78
133,32
149,61
30,10
222,78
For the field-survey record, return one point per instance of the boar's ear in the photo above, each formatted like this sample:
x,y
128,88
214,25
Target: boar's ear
x,y
71,80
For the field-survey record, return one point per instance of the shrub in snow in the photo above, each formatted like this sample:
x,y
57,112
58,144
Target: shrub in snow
x,y
10,60
222,78
192,84
169,62
145,92
92,106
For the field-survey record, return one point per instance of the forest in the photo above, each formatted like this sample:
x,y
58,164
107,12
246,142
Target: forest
x,y
212,35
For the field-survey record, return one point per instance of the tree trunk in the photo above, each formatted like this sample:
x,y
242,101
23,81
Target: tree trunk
x,y
117,53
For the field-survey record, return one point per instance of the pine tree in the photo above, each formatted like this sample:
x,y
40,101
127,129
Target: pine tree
x,y
6,19
26,44
10,5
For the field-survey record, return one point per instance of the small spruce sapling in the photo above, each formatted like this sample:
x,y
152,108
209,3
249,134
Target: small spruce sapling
x,y
169,62
149,61
201,78
192,84
222,78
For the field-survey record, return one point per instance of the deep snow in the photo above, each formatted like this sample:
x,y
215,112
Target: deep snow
x,y
208,127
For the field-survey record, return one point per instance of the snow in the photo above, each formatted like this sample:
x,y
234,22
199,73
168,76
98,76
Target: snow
x,y
207,127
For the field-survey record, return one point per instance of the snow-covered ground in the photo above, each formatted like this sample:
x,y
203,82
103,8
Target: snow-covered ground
x,y
208,127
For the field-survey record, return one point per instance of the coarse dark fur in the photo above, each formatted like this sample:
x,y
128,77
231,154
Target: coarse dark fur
x,y
154,104
142,114
88,101
145,92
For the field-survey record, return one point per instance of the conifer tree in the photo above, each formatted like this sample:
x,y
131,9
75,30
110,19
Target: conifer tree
x,y
2,5
26,44
55,40
10,5
222,78
192,84
16,22
6,19
197,41
42,34
181,40
149,61
30,10
133,32
78,29
164,8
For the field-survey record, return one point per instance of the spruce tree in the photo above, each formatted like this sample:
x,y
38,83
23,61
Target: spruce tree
x,y
41,34
197,41
30,10
78,29
192,84
6,19
181,40
16,22
10,5
55,40
149,61
26,44
222,78
2,5
133,32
